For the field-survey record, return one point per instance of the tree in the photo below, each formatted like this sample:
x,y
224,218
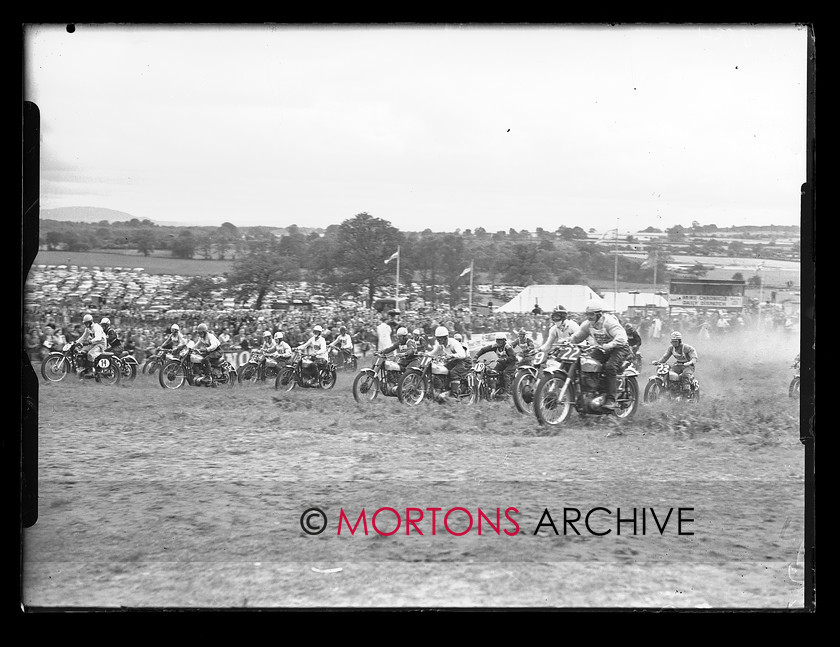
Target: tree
x,y
144,240
184,245
54,239
737,276
366,243
677,232
257,272
199,288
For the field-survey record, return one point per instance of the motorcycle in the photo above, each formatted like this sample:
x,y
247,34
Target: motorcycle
x,y
301,371
154,361
527,374
793,389
186,367
350,360
665,383
486,382
579,382
428,379
58,364
382,377
259,368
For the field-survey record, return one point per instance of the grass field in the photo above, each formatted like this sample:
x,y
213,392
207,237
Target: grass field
x,y
193,498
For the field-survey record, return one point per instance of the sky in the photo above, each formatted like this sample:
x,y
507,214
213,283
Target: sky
x,y
443,126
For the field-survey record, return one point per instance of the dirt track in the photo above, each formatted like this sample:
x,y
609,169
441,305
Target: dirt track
x,y
193,498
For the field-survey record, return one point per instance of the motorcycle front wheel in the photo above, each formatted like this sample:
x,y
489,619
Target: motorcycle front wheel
x,y
627,400
172,375
793,389
653,391
128,370
248,374
523,392
55,368
110,374
413,389
327,378
549,408
365,387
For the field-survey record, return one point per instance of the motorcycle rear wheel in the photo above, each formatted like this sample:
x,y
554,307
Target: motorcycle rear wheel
x,y
327,378
413,389
548,408
128,370
55,368
172,375
365,387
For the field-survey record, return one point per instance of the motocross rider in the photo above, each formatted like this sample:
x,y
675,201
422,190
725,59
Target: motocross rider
x,y
284,351
455,355
209,347
420,339
405,348
319,347
523,345
634,339
563,328
114,343
606,333
175,339
343,343
93,340
269,346
686,359
505,358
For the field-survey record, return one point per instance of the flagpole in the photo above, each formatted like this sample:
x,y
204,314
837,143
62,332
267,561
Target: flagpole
x,y
396,301
472,262
615,278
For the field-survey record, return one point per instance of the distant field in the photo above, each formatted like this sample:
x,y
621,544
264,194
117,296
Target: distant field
x,y
154,264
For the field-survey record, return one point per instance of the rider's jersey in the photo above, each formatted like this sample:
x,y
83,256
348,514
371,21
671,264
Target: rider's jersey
x,y
524,345
318,345
209,342
269,347
408,349
561,330
344,342
283,349
93,335
113,339
506,352
607,333
452,349
683,354
174,340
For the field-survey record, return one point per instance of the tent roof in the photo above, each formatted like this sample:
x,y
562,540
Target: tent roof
x,y
574,298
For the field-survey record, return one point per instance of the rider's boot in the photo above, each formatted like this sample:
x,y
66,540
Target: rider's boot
x,y
612,387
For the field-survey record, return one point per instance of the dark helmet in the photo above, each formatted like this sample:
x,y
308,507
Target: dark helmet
x,y
559,313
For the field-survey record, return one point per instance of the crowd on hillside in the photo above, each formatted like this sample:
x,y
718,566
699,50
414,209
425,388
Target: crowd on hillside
x,y
51,327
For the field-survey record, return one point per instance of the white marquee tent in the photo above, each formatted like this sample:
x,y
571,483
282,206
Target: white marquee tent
x,y
574,298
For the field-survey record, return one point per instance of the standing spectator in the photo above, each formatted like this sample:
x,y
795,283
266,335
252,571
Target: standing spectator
x,y
33,345
383,333
656,328
536,310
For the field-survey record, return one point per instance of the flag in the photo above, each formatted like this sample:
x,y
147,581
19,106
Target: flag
x,y
392,257
466,271
759,267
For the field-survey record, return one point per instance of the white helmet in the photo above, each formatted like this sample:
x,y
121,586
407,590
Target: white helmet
x,y
676,335
402,331
318,329
87,319
417,332
278,335
458,337
267,333
105,322
441,331
175,328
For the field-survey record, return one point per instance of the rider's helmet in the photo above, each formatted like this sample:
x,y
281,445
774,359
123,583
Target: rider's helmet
x,y
267,333
278,335
676,338
402,334
522,332
175,328
87,320
458,337
501,338
628,327
593,311
317,330
559,313
201,329
417,332
441,334
105,323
